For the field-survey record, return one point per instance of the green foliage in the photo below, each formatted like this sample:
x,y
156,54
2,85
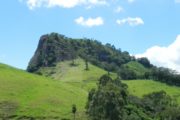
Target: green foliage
x,y
157,102
107,102
165,75
86,64
105,79
54,48
138,68
144,61
153,106
127,74
171,113
111,101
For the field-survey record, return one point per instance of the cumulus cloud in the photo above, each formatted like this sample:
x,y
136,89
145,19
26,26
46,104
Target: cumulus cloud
x,y
130,21
63,3
90,22
165,56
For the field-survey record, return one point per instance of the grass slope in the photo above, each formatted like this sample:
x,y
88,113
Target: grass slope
x,y
138,68
27,95
75,75
142,87
31,96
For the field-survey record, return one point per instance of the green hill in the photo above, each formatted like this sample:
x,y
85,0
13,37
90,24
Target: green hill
x,y
27,96
49,96
143,87
24,95
138,68
75,75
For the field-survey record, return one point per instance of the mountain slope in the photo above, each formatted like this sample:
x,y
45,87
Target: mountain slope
x,y
24,95
33,96
76,74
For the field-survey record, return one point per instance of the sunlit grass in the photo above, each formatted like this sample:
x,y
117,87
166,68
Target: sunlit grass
x,y
142,87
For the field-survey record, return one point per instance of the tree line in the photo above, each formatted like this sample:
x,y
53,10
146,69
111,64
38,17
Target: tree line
x,y
164,75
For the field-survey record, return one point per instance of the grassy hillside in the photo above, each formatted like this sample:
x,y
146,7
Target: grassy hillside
x,y
138,68
75,75
142,87
29,95
26,95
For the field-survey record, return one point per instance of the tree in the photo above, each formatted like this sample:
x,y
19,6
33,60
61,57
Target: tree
x,y
165,75
144,61
86,64
111,101
147,75
155,103
107,103
104,80
171,113
74,110
126,73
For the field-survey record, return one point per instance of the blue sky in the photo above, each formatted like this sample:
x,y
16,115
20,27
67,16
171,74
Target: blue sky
x,y
137,26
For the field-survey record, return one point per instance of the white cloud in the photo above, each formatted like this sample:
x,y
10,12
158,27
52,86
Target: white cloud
x,y
90,22
64,3
130,21
119,9
165,56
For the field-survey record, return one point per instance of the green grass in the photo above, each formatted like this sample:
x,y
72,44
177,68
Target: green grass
x,y
138,68
36,96
142,87
29,95
75,75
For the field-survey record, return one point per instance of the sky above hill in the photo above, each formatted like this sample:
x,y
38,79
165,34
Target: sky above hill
x,y
142,27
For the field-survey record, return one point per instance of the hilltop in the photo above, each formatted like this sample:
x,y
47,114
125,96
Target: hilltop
x,y
54,48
